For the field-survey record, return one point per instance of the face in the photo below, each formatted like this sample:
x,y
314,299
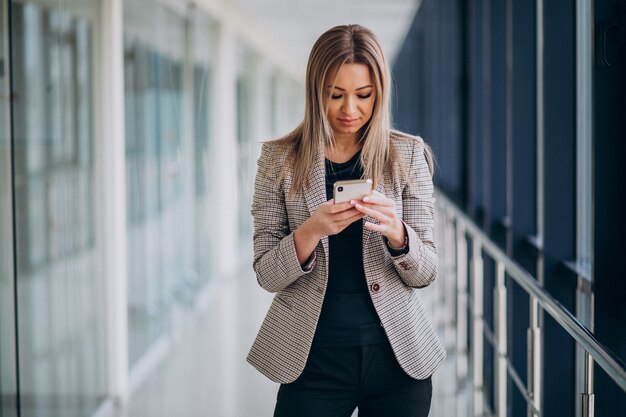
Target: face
x,y
351,101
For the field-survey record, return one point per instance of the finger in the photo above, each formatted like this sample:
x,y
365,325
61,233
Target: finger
x,y
378,198
346,214
346,222
339,207
375,214
386,210
375,227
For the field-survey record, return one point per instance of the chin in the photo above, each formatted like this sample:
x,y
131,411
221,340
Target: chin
x,y
350,130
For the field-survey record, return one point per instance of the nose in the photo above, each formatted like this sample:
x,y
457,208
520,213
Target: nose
x,y
349,106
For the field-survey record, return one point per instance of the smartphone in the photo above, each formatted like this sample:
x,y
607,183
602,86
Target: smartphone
x,y
351,190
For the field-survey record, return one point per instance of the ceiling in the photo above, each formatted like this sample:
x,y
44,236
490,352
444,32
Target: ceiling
x,y
294,25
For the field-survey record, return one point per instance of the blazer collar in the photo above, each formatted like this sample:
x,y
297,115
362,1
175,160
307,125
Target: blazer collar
x,y
315,190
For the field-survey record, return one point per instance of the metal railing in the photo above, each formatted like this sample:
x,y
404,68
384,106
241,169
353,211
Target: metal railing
x,y
454,230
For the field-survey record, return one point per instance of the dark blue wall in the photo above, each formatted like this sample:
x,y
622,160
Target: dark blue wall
x,y
466,81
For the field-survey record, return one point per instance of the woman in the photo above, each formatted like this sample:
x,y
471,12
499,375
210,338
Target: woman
x,y
346,328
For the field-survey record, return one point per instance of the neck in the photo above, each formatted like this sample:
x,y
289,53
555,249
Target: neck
x,y
346,142
344,148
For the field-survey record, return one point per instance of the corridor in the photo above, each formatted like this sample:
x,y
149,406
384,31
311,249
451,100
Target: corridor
x,y
129,137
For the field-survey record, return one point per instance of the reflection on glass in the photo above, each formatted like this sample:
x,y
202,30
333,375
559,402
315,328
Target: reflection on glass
x,y
8,369
60,314
153,134
245,155
203,206
202,37
167,164
273,103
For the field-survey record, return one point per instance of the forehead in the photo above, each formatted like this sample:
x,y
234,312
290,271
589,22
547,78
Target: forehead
x,y
350,75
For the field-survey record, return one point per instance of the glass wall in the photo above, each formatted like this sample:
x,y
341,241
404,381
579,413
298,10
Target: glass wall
x,y
293,106
286,103
246,89
51,190
8,369
201,38
59,295
167,82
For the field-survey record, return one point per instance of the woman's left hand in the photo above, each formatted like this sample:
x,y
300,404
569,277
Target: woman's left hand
x,y
382,208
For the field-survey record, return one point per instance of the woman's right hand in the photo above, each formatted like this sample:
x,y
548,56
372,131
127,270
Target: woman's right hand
x,y
329,219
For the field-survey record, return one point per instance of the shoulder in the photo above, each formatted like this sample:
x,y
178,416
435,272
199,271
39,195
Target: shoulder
x,y
278,148
406,145
411,151
275,153
405,141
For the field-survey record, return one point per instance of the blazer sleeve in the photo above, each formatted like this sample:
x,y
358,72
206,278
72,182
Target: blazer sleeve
x,y
418,267
275,261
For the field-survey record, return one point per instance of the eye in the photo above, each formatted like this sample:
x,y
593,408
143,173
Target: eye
x,y
335,97
364,96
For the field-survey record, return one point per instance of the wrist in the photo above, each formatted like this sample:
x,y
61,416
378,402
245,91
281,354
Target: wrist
x,y
305,243
306,232
397,240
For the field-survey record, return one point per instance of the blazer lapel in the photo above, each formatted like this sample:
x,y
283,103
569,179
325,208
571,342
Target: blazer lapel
x,y
315,191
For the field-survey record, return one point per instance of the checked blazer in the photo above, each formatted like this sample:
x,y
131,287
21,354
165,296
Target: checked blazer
x,y
282,345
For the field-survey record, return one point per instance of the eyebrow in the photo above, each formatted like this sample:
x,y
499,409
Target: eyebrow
x,y
360,88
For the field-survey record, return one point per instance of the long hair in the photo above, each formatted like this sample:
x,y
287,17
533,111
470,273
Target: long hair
x,y
345,44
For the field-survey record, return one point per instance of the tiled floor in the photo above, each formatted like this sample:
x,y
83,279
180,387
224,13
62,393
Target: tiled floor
x,y
205,373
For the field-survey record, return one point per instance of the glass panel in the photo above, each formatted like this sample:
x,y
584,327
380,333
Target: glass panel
x,y
245,89
273,103
8,370
202,38
146,287
584,145
295,104
167,142
60,312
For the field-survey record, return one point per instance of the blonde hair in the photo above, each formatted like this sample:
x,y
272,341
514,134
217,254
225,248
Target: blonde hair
x,y
345,44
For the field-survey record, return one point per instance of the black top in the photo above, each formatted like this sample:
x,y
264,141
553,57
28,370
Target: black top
x,y
348,317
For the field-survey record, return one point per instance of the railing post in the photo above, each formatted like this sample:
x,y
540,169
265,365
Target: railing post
x,y
477,327
500,324
587,396
441,316
461,307
534,359
449,285
584,361
540,302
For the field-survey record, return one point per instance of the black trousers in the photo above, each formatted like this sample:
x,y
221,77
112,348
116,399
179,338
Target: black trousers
x,y
336,380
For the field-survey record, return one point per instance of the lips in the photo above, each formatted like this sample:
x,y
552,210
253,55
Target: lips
x,y
348,122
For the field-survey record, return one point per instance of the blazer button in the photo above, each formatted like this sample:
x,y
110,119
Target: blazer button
x,y
375,287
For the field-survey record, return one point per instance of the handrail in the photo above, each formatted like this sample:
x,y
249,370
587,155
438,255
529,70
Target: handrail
x,y
611,364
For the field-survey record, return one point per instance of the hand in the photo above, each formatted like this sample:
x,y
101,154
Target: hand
x,y
383,209
329,219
